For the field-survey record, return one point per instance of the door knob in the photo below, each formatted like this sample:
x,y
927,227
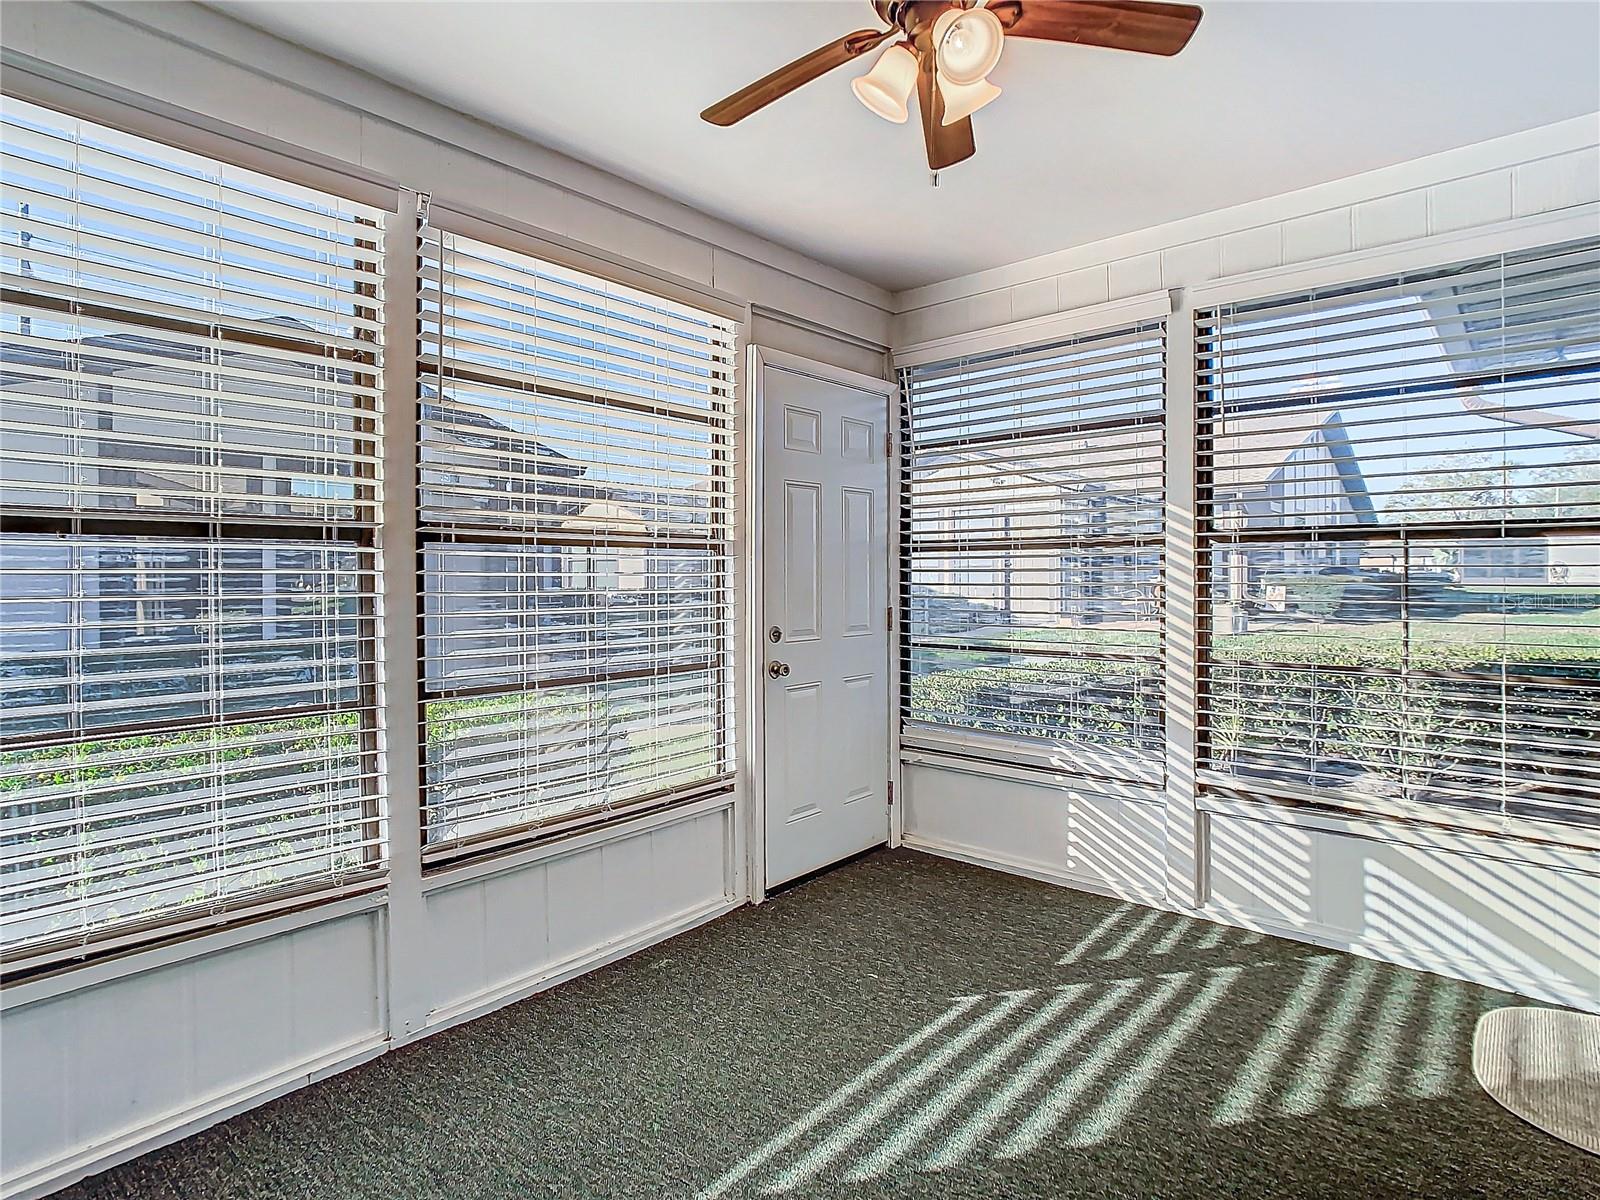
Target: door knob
x,y
777,670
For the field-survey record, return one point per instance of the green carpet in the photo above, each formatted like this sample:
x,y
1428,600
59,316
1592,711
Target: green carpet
x,y
908,1026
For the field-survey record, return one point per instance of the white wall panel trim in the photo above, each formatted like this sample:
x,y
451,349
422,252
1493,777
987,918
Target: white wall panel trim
x,y
1316,933
1542,143
1130,310
1045,873
1456,904
797,322
1423,837
511,234
1040,777
171,1127
1506,237
1404,954
1496,847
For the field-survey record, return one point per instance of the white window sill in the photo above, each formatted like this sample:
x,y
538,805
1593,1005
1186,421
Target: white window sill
x,y
73,977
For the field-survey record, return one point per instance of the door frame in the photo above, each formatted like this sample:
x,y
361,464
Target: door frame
x,y
758,359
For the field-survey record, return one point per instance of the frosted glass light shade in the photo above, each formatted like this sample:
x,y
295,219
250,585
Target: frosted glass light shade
x,y
887,87
967,44
962,100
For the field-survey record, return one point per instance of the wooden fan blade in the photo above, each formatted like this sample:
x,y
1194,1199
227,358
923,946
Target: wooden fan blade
x,y
947,144
801,71
1144,28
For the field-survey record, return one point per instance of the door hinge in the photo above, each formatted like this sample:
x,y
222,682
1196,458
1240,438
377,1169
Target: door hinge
x,y
888,444
888,618
891,793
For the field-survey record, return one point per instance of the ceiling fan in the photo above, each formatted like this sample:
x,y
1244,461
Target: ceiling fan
x,y
946,50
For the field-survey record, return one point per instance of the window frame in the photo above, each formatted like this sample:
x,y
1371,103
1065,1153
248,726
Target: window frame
x,y
175,925
1147,316
1355,274
511,236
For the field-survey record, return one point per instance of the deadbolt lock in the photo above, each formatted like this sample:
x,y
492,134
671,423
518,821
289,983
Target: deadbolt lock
x,y
774,634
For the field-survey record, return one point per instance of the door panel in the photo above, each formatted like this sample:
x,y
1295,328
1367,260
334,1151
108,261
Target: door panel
x,y
858,614
801,598
798,709
863,701
825,563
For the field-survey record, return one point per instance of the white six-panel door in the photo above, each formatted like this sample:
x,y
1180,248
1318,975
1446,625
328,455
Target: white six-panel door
x,y
824,638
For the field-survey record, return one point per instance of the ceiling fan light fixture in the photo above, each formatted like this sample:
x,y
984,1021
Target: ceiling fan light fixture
x,y
967,44
886,89
944,50
962,100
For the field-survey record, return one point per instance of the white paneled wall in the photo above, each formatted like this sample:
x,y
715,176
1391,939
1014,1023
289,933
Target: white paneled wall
x,y
121,1057
1526,926
99,1072
500,933
1542,171
1451,904
102,1063
1439,904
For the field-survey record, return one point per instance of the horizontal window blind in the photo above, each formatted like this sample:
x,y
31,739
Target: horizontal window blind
x,y
1031,550
576,520
1401,567
189,383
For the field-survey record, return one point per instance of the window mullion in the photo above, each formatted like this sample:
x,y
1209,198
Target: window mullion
x,y
1185,826
399,658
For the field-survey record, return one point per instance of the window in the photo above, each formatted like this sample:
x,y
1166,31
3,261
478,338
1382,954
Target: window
x,y
189,358
575,525
1401,561
1031,551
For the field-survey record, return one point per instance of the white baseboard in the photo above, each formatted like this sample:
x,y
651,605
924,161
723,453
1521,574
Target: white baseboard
x,y
1538,987
42,1179
980,857
48,1177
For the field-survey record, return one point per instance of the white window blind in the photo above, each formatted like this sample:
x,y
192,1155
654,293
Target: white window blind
x,y
575,524
189,369
1031,551
1401,509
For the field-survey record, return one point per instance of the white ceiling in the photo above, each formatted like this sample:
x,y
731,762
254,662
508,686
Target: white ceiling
x,y
1084,144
